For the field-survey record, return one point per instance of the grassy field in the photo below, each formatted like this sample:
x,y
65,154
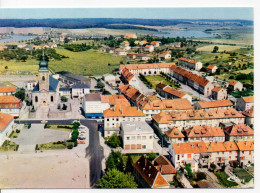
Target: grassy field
x,y
53,145
242,174
222,48
223,176
60,128
9,146
86,63
156,79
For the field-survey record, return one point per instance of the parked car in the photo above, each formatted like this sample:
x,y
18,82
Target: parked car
x,y
81,142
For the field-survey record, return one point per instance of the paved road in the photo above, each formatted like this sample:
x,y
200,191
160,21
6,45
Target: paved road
x,y
94,151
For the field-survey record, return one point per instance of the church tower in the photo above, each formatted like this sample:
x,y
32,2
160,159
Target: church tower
x,y
43,75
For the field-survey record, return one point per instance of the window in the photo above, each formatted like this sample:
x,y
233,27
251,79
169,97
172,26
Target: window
x,y
107,119
116,119
178,157
179,139
133,137
127,138
189,156
151,137
249,152
143,146
51,98
36,99
143,137
138,137
43,78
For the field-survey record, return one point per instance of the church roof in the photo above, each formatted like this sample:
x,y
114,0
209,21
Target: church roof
x,y
53,84
80,85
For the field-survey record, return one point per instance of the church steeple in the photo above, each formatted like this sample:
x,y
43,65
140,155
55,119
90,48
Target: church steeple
x,y
43,64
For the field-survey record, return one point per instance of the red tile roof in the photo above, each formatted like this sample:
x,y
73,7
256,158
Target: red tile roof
x,y
249,99
174,92
163,165
188,60
117,100
249,112
5,89
239,130
149,173
165,117
10,102
154,42
214,104
127,74
233,83
204,131
174,133
5,119
189,147
210,67
123,112
146,66
216,89
245,145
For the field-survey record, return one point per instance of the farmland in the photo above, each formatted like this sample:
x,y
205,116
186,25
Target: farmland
x,y
222,48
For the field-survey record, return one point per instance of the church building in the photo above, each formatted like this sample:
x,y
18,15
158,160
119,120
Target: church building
x,y
46,92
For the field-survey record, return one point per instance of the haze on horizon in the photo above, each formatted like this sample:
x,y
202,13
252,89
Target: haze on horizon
x,y
221,13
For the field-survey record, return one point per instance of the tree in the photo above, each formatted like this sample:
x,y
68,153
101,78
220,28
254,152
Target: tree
x,y
213,166
151,156
215,49
201,176
113,141
188,170
20,93
64,99
129,164
24,58
116,179
100,85
116,158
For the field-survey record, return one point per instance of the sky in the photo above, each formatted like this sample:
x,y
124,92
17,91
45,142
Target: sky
x,y
245,13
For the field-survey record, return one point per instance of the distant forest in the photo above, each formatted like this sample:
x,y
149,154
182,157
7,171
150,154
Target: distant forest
x,y
102,22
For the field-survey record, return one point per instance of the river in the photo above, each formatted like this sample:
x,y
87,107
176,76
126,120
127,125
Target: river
x,y
185,33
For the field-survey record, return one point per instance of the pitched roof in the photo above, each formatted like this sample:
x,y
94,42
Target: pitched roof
x,y
204,131
154,42
127,74
174,133
129,36
189,147
210,67
169,116
188,60
176,104
174,92
249,99
123,112
5,119
163,165
4,89
53,84
80,85
10,102
245,145
238,130
189,75
161,85
249,112
117,100
146,66
214,104
233,83
149,173
216,89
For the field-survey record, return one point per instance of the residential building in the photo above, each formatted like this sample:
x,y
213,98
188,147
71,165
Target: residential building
x,y
249,114
131,55
111,79
29,85
125,45
71,78
235,85
174,135
204,133
170,93
191,64
114,116
239,132
220,104
120,52
65,91
218,93
147,176
153,107
137,136
164,166
7,90
6,126
245,103
79,89
165,56
149,48
10,105
93,106
147,69
246,152
195,81
212,68
176,45
155,43
130,36
143,57
128,78
189,118
115,101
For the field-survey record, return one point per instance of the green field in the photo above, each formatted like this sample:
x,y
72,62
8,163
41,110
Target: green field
x,y
86,63
242,174
222,48
53,145
9,146
156,79
60,128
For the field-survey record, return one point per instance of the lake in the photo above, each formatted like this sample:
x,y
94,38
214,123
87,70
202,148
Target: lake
x,y
185,33
17,38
